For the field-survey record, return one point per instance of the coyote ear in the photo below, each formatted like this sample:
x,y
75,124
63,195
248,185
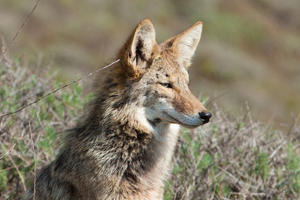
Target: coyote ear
x,y
139,47
185,44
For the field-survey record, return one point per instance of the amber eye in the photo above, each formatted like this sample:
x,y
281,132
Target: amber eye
x,y
167,85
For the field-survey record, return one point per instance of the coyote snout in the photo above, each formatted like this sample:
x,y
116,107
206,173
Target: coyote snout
x,y
122,149
177,104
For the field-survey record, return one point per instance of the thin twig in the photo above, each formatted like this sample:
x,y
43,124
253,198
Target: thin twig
x,y
18,171
34,158
21,27
276,150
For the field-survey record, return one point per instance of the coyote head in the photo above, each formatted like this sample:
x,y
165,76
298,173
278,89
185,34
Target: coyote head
x,y
155,75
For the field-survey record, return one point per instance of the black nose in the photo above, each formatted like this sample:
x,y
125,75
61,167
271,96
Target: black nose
x,y
205,116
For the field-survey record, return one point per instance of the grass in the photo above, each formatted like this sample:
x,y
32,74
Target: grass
x,y
230,158
30,139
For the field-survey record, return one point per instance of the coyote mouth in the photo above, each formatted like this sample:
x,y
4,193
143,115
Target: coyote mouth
x,y
184,120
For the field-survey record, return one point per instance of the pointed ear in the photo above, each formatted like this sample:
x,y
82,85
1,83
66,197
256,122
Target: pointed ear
x,y
139,47
184,44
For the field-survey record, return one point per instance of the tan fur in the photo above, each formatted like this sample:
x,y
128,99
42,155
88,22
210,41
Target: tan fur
x,y
122,149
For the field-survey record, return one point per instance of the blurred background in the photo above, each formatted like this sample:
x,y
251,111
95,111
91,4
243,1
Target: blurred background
x,y
249,52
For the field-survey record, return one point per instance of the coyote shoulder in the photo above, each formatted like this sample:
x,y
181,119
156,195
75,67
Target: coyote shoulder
x,y
122,150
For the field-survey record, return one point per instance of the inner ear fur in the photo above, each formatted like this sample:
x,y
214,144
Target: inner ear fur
x,y
184,45
138,50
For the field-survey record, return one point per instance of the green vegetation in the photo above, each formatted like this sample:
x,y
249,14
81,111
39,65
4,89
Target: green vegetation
x,y
32,137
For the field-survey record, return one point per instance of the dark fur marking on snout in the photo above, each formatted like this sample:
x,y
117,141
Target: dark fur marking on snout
x,y
157,95
162,96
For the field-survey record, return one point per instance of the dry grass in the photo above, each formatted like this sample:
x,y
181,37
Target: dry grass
x,y
236,159
30,138
230,158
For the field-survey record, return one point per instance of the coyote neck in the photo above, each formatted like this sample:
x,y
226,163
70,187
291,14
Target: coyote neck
x,y
130,151
142,145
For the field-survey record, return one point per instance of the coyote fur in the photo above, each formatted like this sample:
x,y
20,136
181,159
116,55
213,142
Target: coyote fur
x,y
122,149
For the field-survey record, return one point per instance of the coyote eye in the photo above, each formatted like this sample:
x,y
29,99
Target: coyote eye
x,y
167,85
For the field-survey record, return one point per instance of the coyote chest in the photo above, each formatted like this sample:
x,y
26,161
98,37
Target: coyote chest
x,y
146,184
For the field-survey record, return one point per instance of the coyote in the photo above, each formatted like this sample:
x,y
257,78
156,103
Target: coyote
x,y
122,149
